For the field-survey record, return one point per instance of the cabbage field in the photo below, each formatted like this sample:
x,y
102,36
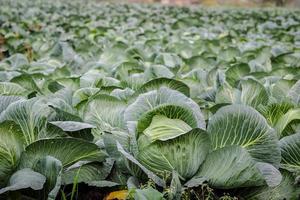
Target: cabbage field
x,y
148,102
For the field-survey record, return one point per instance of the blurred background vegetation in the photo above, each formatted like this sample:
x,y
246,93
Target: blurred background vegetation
x,y
244,3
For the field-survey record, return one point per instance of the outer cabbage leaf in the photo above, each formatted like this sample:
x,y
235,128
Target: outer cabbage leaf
x,y
30,115
232,167
286,119
183,154
51,168
155,84
253,93
287,189
66,150
290,152
11,89
244,126
87,172
236,72
6,100
294,93
11,147
25,178
105,112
